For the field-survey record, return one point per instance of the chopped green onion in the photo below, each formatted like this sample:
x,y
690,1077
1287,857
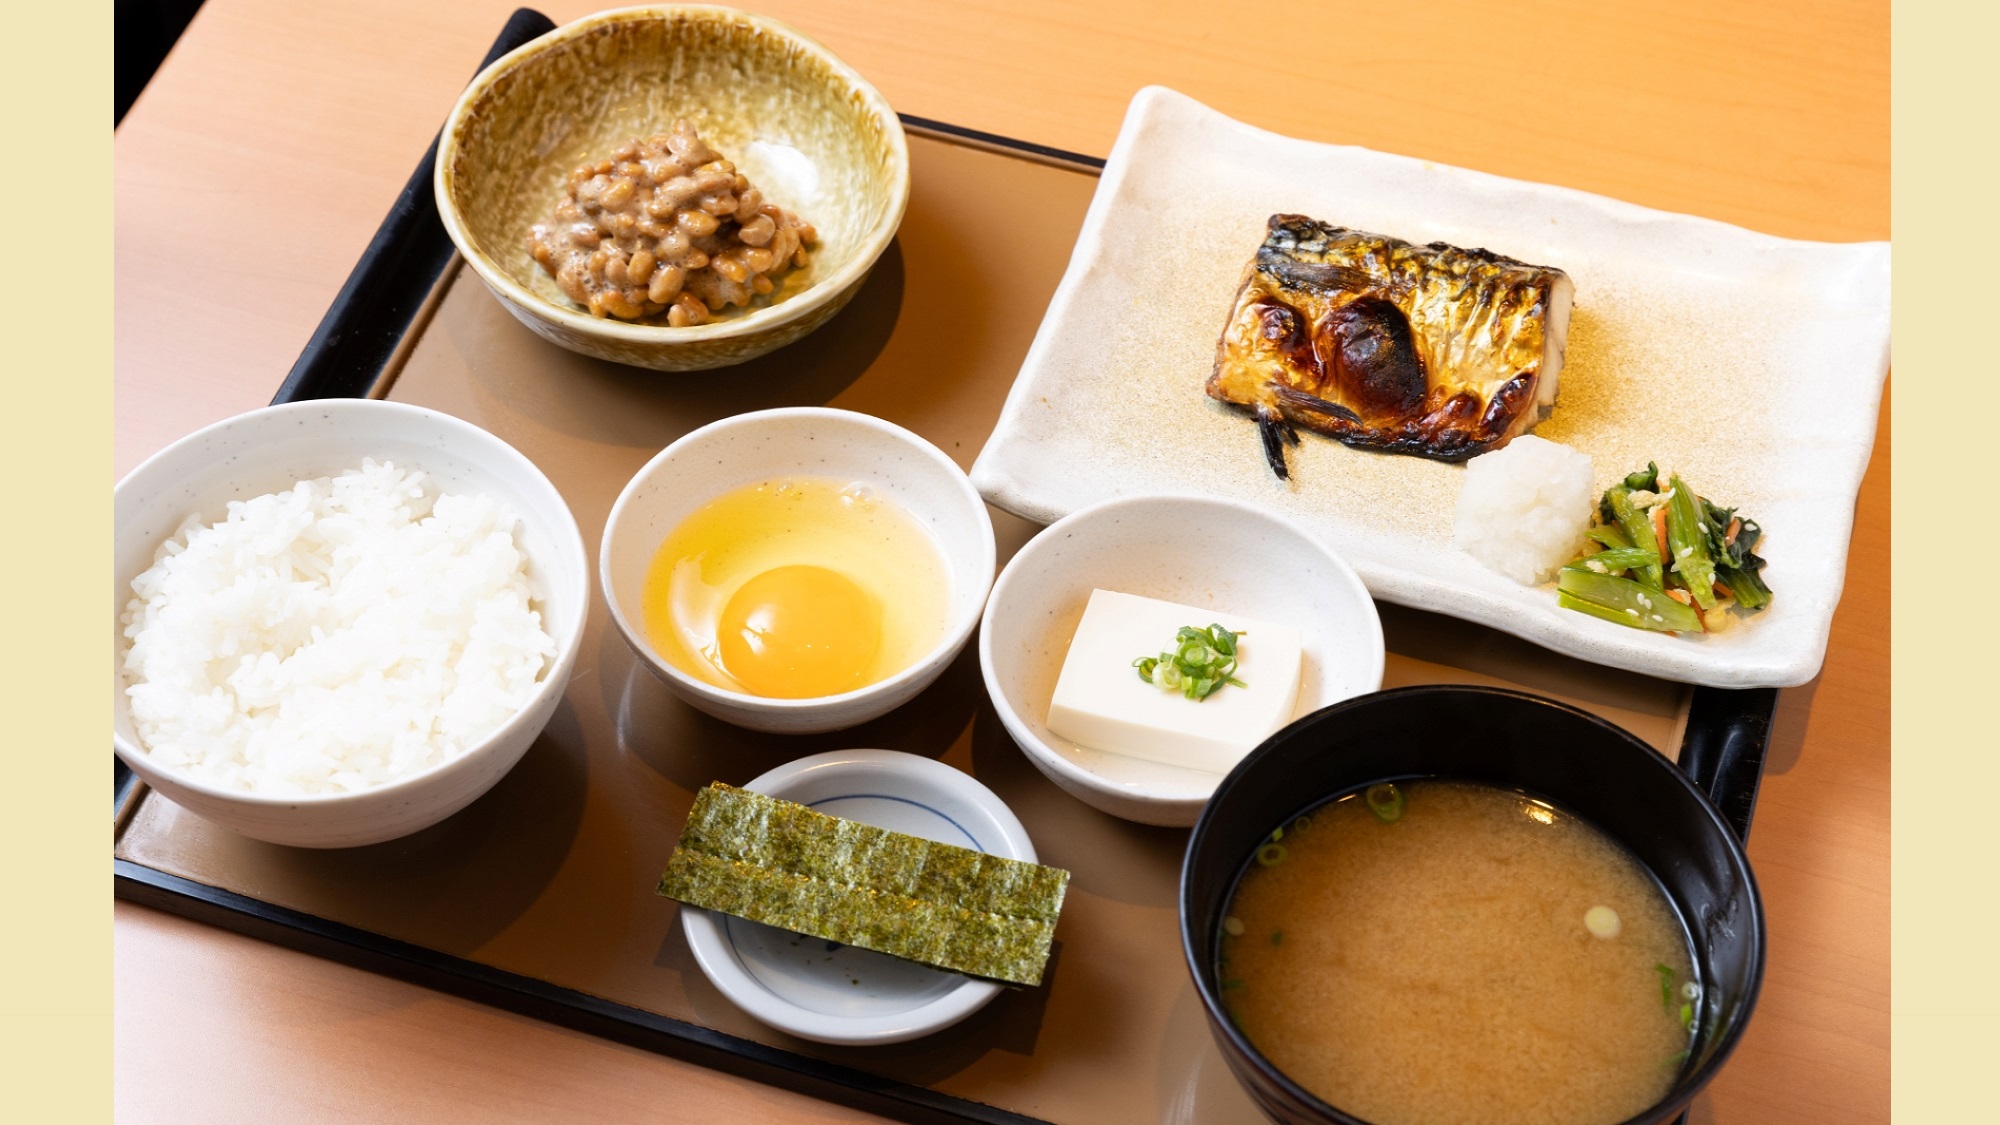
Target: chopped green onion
x,y
1223,639
1270,855
1302,823
1687,1015
1231,985
1666,986
1385,801
1203,661
1277,937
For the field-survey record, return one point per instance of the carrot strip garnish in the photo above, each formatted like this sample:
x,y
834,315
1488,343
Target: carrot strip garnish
x,y
1660,531
1681,596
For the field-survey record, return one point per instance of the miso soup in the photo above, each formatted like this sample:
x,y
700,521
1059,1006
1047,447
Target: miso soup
x,y
1441,952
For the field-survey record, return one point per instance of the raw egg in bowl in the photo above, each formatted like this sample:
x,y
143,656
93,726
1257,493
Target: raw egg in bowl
x,y
798,570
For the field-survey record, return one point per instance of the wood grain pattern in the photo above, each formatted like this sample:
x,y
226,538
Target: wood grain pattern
x,y
253,171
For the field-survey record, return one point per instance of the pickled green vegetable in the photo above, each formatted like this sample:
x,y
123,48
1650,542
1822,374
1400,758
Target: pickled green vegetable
x,y
1687,541
1710,549
1620,558
1639,530
1609,535
1625,601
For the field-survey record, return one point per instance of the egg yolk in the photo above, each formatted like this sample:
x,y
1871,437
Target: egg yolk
x,y
799,631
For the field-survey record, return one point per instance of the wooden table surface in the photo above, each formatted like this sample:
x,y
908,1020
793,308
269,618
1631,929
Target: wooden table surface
x,y
258,163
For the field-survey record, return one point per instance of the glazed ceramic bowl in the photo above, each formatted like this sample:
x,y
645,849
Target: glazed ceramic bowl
x,y
1511,740
268,451
801,124
835,993
1197,551
792,442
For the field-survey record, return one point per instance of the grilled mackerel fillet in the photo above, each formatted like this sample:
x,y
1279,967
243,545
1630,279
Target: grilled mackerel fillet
x,y
1428,350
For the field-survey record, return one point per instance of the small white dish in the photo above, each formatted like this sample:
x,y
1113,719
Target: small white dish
x,y
1198,551
271,449
832,993
799,441
1751,365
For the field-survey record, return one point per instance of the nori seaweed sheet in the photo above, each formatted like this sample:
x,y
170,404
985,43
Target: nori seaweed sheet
x,y
784,865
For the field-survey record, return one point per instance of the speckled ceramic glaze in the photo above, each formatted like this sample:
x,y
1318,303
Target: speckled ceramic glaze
x,y
799,441
804,127
271,449
1244,560
1751,365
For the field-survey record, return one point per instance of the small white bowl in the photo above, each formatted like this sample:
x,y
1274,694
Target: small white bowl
x,y
832,993
1198,551
271,449
804,441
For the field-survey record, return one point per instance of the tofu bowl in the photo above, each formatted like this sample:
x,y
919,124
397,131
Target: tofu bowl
x,y
1218,562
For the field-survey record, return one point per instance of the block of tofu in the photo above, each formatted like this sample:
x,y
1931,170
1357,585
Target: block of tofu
x,y
1101,702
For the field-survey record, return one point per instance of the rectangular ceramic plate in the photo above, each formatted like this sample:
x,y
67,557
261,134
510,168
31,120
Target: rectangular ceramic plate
x,y
1751,365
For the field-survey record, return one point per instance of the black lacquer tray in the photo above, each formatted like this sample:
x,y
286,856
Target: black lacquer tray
x,y
406,286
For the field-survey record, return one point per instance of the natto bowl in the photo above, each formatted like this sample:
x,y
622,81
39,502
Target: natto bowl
x,y
1510,740
802,125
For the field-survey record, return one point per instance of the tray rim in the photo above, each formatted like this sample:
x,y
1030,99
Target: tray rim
x,y
357,349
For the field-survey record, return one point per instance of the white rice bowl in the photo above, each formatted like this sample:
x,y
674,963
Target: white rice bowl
x,y
335,637
1524,508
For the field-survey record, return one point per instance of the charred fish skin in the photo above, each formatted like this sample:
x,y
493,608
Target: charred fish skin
x,y
1433,351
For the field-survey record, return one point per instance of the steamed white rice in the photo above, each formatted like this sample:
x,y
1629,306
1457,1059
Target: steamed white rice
x,y
334,637
1523,509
